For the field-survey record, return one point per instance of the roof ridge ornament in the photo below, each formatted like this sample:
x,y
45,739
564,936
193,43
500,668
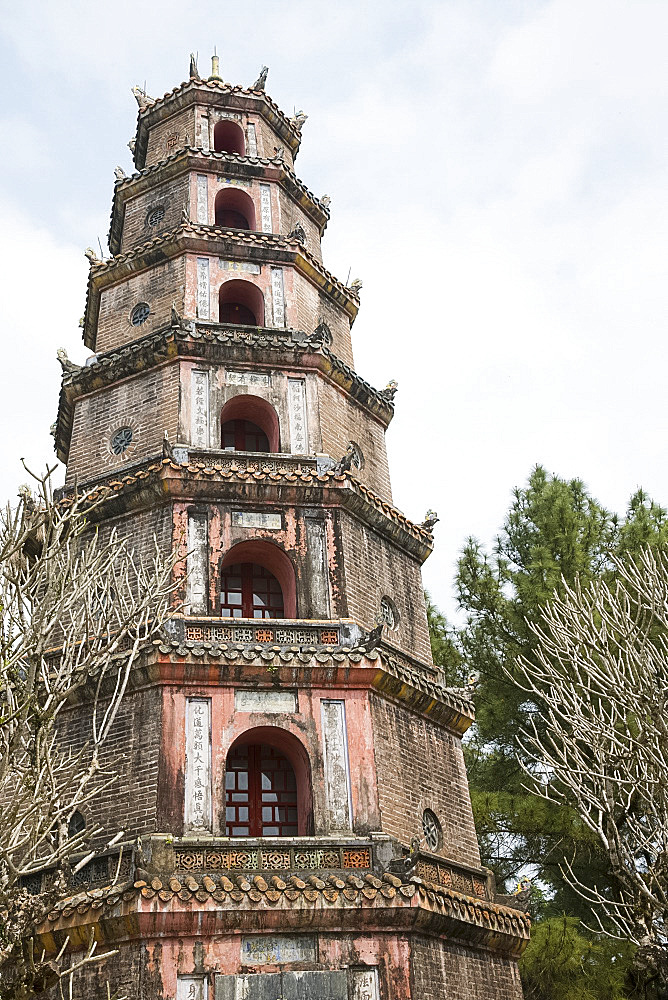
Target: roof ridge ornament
x,y
194,74
142,98
261,80
215,67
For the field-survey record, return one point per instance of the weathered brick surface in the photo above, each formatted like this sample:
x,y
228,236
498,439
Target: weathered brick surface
x,y
171,196
171,134
159,286
132,754
374,567
419,765
441,970
147,403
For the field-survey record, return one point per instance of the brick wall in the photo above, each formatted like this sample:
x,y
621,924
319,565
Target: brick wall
x,y
341,421
161,142
443,971
131,753
159,286
419,766
375,567
171,196
147,403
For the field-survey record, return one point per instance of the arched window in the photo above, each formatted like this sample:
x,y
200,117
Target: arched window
x,y
243,435
235,209
77,824
257,581
228,137
249,423
241,303
250,591
260,793
268,785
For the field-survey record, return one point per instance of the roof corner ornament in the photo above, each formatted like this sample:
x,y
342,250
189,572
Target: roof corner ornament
x,y
119,174
390,390
142,98
355,286
298,120
347,461
69,367
326,201
429,521
92,256
261,80
279,153
194,73
167,450
297,235
131,145
372,639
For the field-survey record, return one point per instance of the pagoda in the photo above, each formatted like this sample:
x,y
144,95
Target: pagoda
x,y
291,786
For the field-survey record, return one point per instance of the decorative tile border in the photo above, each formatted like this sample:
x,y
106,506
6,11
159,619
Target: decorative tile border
x,y
438,874
290,859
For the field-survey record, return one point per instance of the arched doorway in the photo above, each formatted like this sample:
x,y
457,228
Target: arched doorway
x,y
249,423
241,303
228,137
234,209
257,580
268,785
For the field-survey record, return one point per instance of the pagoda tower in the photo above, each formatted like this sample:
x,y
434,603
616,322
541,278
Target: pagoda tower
x,y
291,784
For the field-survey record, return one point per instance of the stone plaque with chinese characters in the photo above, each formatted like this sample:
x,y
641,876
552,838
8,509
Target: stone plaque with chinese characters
x,y
197,563
337,770
238,265
268,702
277,949
364,985
202,199
247,378
191,988
202,287
198,765
284,986
251,140
297,413
277,296
199,409
256,519
265,208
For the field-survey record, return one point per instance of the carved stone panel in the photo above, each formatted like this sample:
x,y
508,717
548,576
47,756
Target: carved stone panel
x,y
269,702
337,769
199,409
318,570
203,309
277,949
277,296
197,812
258,519
364,985
197,563
265,208
191,988
284,986
297,412
251,140
202,199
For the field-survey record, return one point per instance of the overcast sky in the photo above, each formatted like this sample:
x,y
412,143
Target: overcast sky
x,y
498,180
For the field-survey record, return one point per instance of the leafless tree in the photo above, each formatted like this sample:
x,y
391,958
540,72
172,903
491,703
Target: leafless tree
x,y
599,740
75,610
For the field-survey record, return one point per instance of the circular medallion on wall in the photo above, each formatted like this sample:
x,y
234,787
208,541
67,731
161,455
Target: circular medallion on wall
x,y
121,441
155,215
140,313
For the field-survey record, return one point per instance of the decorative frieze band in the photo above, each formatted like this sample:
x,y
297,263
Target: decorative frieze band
x,y
292,859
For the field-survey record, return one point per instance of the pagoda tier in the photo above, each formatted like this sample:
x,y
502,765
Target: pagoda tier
x,y
291,782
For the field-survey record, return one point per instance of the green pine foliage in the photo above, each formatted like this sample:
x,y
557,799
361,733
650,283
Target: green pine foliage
x,y
553,533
